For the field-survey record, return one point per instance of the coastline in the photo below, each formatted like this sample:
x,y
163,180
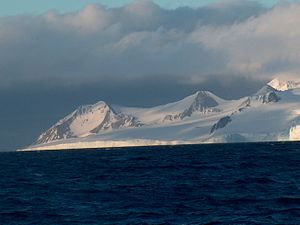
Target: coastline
x,y
135,143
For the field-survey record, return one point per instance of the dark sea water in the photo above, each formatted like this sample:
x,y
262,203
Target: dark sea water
x,y
201,184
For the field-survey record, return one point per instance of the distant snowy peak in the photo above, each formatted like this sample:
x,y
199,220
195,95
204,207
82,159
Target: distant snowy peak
x,y
284,85
202,102
267,94
87,120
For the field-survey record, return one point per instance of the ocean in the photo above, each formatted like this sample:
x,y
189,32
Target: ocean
x,y
198,184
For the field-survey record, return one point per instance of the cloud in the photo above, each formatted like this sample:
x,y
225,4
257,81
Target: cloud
x,y
93,18
266,44
228,38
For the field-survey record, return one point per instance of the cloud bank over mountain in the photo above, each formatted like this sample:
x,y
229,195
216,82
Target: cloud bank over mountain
x,y
137,55
142,40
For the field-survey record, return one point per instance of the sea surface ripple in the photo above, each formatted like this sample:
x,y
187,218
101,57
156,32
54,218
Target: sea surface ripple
x,y
197,184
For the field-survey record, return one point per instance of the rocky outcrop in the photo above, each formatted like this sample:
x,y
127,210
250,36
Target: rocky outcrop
x,y
267,95
203,103
220,124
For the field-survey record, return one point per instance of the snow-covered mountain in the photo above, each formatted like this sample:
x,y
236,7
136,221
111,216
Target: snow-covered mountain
x,y
284,85
271,114
87,120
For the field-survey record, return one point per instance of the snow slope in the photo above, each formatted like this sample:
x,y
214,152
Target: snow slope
x,y
271,114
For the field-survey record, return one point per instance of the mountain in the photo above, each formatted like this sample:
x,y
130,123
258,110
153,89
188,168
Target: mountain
x,y
203,102
267,94
284,85
88,120
270,114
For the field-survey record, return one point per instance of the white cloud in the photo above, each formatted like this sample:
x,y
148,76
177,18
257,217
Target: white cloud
x,y
258,44
142,40
93,18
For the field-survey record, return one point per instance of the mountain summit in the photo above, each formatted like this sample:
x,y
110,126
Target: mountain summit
x,y
87,120
270,114
284,85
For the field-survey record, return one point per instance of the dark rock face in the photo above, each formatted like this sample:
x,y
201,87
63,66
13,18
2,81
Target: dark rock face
x,y
58,132
271,97
267,95
203,103
116,121
244,105
220,124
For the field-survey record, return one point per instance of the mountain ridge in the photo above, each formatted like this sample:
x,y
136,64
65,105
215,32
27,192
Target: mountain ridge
x,y
269,114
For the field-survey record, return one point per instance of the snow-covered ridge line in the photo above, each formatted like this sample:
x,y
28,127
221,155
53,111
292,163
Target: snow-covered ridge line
x,y
269,114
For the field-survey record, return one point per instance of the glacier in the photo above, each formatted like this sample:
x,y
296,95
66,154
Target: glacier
x,y
270,114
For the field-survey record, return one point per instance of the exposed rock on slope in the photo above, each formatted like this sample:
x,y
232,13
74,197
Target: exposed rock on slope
x,y
267,95
87,120
204,103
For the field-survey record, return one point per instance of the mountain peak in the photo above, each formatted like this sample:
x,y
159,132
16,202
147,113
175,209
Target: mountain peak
x,y
265,90
202,102
205,99
86,120
267,94
283,85
100,103
203,93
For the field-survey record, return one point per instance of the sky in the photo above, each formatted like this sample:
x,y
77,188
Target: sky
x,y
57,55
15,7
